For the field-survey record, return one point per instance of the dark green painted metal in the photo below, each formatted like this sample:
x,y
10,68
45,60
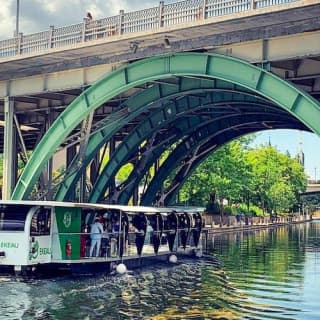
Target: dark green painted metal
x,y
171,192
136,175
141,168
212,92
295,101
194,140
170,114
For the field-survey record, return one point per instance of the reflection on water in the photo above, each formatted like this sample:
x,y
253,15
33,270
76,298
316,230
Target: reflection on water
x,y
269,274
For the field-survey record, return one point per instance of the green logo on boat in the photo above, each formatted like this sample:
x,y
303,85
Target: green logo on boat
x,y
37,251
34,250
67,219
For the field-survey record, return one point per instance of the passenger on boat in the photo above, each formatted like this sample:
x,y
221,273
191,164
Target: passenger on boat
x,y
105,247
83,240
114,238
96,235
149,235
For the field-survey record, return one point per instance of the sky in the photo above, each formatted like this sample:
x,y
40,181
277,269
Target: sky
x,y
38,15
289,140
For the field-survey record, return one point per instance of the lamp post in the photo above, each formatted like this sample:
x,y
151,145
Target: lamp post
x,y
17,19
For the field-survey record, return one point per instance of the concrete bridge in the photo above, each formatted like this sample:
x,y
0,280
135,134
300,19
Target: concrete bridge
x,y
182,78
312,188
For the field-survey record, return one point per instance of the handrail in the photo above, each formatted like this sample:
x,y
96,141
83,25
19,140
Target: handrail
x,y
155,18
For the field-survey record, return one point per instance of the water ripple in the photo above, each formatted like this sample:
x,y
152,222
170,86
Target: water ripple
x,y
272,274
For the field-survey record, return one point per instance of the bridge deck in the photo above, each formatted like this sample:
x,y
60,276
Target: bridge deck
x,y
246,24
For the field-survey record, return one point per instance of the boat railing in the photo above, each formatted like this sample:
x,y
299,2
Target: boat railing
x,y
146,20
116,244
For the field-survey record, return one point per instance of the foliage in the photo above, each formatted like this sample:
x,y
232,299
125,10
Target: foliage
x,y
254,181
277,179
224,173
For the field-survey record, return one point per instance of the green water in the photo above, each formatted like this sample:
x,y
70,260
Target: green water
x,y
268,274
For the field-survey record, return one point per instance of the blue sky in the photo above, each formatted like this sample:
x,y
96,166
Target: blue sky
x,y
285,140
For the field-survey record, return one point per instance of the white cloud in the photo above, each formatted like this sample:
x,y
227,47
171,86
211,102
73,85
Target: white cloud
x,y
38,15
7,21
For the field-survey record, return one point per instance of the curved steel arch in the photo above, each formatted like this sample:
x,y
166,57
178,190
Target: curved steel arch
x,y
168,196
214,91
170,114
183,127
134,179
295,101
194,140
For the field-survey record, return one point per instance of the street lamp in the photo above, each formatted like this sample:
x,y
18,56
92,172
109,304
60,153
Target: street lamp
x,y
17,19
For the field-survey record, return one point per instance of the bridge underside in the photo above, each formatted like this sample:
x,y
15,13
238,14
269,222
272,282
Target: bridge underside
x,y
139,132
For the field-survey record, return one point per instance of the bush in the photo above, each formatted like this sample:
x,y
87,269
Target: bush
x,y
227,210
255,211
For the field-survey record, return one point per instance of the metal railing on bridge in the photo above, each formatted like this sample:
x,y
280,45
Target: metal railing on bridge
x,y
125,23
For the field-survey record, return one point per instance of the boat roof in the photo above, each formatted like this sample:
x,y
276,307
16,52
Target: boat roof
x,y
94,206
46,203
135,209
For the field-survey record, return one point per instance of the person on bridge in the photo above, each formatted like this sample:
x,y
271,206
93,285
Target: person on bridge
x,y
89,17
96,235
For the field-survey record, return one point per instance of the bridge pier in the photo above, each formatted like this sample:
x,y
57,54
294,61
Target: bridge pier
x,y
9,150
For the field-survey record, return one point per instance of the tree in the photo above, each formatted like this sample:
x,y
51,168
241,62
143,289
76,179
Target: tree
x,y
225,173
277,179
263,177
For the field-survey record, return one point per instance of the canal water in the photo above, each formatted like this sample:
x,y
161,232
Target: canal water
x,y
267,274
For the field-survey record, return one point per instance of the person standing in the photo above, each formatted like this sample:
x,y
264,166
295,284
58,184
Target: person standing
x,y
96,235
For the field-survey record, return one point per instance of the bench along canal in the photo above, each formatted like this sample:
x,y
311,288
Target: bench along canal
x,y
266,274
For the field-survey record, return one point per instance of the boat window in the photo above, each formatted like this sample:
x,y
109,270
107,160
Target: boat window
x,y
13,217
41,222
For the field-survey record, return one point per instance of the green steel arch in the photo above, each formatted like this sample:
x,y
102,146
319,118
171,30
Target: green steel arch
x,y
214,142
236,71
182,125
172,113
201,135
214,92
180,178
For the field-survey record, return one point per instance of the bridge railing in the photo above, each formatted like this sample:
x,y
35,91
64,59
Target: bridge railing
x,y
155,18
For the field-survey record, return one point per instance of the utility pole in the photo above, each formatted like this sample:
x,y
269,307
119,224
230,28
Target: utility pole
x,y
315,175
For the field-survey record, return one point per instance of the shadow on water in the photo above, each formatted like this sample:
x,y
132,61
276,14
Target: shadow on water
x,y
268,274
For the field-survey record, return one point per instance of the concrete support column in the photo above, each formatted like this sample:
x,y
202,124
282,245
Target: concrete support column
x,y
8,149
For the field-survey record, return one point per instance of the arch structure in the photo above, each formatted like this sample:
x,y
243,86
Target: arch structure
x,y
178,108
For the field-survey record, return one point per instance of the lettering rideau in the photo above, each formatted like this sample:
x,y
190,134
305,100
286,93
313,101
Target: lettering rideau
x,y
9,245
